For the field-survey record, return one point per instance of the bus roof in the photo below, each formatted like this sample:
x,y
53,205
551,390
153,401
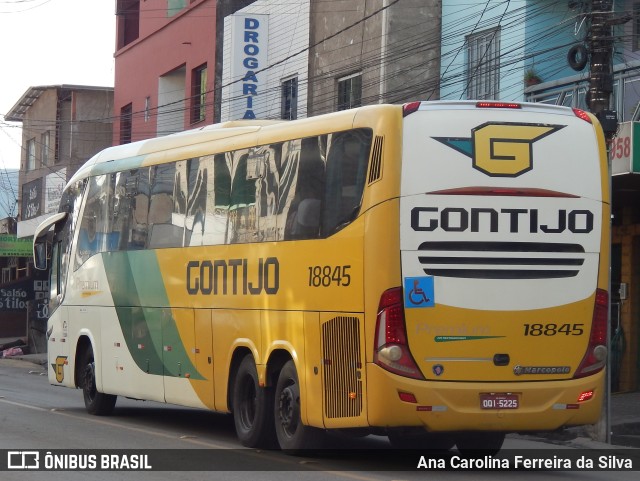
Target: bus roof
x,y
210,139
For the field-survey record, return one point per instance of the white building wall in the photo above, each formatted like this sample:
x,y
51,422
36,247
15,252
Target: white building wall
x,y
288,42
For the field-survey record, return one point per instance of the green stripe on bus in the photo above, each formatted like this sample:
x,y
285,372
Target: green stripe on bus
x,y
144,314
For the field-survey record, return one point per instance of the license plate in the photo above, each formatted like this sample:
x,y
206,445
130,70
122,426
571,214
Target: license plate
x,y
499,401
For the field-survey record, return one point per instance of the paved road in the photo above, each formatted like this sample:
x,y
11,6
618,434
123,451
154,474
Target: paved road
x,y
37,416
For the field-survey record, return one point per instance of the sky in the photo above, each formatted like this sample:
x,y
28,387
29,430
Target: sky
x,y
51,42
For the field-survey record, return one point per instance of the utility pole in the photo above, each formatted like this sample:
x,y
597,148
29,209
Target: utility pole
x,y
600,46
601,53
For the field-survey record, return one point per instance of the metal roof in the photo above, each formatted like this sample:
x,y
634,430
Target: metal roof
x,y
18,111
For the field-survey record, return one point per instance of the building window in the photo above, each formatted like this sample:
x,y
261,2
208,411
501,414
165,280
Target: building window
x,y
289,108
128,12
350,91
147,109
174,7
44,141
483,65
198,93
7,274
126,113
31,154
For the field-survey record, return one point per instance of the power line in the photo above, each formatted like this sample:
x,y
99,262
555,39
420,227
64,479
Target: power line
x,y
181,106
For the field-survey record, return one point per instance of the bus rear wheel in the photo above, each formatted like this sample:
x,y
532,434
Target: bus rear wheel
x,y
252,407
96,403
293,436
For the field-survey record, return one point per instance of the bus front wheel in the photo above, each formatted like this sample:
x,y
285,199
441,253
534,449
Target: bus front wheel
x,y
293,436
252,407
97,403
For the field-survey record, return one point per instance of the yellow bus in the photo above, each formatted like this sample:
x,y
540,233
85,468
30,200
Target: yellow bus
x,y
435,272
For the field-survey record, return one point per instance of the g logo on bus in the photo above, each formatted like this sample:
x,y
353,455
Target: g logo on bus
x,y
58,367
501,149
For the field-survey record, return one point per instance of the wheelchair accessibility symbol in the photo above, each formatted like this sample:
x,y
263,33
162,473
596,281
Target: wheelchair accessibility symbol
x,y
418,292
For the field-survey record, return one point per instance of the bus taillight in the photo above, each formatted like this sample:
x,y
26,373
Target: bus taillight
x,y
410,108
581,114
390,344
596,355
498,105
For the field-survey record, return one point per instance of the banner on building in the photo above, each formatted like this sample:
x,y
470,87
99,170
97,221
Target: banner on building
x,y
623,151
249,48
11,246
54,185
31,199
15,295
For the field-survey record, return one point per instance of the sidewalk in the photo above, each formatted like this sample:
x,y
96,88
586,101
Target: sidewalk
x,y
625,418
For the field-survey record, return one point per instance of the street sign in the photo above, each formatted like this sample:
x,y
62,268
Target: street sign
x,y
624,150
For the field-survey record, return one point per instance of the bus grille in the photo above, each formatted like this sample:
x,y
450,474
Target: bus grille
x,y
342,367
501,260
376,160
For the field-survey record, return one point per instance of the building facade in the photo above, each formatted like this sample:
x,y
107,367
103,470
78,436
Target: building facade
x,y
541,51
564,62
165,66
483,50
62,127
370,52
265,68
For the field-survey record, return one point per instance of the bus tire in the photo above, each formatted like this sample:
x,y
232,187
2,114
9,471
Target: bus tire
x,y
293,436
96,403
252,407
479,443
577,57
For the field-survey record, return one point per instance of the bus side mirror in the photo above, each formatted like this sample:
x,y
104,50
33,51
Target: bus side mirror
x,y
43,240
42,251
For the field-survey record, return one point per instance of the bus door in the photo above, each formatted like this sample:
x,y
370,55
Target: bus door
x,y
49,254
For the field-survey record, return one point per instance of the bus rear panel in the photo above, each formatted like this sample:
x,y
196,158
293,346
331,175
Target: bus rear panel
x,y
503,225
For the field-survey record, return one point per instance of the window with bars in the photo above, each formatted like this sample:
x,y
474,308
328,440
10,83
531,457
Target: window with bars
x,y
289,108
31,154
350,91
198,93
483,65
126,114
45,141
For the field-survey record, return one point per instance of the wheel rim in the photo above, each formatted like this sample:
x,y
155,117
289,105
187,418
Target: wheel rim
x,y
247,403
288,410
90,382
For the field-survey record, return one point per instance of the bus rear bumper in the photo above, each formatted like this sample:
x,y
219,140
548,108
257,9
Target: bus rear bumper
x,y
456,406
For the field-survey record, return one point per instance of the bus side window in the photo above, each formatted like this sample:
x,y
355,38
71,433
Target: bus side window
x,y
242,226
95,224
346,170
162,230
218,199
131,208
196,201
268,189
303,213
140,212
